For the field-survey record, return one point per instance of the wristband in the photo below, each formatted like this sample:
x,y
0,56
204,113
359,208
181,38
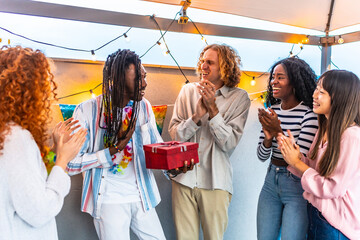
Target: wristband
x,y
116,147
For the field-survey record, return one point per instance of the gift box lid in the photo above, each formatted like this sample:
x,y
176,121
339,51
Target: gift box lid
x,y
172,147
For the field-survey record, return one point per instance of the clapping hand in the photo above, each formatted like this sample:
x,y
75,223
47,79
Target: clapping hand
x,y
67,145
269,122
289,149
64,128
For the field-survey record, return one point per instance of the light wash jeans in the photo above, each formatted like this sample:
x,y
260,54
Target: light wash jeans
x,y
281,207
320,229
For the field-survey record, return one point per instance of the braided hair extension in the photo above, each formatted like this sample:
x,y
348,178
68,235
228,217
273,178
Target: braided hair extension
x,y
114,83
301,77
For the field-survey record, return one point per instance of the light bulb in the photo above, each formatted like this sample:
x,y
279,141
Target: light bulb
x,y
166,52
203,39
127,38
306,40
93,57
340,40
92,94
253,82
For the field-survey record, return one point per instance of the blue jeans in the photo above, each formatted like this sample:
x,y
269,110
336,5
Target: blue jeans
x,y
320,229
281,206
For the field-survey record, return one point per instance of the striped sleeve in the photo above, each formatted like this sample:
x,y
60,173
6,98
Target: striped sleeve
x,y
309,126
263,152
86,114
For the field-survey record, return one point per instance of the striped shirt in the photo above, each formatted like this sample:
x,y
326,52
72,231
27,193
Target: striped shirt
x,y
303,124
94,161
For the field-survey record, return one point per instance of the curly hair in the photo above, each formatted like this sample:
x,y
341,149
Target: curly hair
x,y
302,78
229,62
26,89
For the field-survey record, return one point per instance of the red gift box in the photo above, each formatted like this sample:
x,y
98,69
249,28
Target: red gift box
x,y
170,155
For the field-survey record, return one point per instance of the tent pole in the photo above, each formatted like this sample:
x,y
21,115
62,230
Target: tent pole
x,y
325,57
326,47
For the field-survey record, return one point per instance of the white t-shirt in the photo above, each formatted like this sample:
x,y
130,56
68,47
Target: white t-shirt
x,y
121,187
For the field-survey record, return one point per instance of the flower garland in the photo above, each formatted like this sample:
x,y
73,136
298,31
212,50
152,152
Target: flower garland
x,y
128,150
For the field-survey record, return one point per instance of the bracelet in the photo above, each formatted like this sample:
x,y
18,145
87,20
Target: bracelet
x,y
116,147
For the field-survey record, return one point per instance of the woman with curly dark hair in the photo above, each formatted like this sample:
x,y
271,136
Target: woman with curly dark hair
x,y
30,199
281,206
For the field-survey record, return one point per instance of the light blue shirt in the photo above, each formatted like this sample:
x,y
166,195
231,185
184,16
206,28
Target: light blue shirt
x,y
94,161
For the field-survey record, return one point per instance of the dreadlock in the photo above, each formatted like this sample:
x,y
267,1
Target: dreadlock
x,y
113,91
301,77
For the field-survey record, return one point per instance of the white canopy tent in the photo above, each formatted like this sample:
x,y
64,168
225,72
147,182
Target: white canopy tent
x,y
325,16
308,14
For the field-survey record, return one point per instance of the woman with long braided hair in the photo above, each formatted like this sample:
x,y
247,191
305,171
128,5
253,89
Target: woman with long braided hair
x,y
118,190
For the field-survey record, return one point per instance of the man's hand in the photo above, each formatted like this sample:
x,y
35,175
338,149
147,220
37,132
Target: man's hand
x,y
200,111
183,169
207,91
122,143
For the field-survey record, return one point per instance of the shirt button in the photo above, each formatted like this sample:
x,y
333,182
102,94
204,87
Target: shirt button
x,y
277,169
99,193
102,177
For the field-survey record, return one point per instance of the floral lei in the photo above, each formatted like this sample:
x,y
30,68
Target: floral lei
x,y
128,150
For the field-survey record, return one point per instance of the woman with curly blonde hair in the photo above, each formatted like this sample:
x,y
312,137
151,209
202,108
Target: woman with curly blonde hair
x,y
30,199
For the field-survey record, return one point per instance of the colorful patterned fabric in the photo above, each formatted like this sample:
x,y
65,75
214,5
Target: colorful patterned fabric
x,y
95,161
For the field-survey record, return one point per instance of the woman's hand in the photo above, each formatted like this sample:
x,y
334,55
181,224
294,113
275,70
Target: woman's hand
x,y
66,151
64,128
270,122
289,150
268,135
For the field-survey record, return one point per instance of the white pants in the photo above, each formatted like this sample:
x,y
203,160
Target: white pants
x,y
116,220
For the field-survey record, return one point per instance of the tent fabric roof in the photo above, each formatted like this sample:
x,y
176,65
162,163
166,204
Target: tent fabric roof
x,y
310,14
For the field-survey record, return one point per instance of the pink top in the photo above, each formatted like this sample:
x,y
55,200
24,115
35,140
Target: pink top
x,y
338,196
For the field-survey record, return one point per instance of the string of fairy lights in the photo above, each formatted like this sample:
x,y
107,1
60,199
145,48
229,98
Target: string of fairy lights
x,y
161,42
